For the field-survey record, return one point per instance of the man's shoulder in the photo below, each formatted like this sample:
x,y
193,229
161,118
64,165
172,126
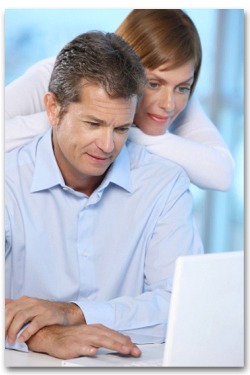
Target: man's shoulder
x,y
141,157
155,176
21,156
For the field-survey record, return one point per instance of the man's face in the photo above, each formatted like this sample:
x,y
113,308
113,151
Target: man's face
x,y
90,136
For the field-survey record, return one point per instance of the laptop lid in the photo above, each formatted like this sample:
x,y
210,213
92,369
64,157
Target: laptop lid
x,y
206,321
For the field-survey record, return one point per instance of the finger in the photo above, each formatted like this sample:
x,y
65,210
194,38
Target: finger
x,y
65,342
30,311
19,319
9,315
135,351
42,319
64,352
99,328
128,349
122,345
12,308
8,300
33,327
15,325
85,350
124,340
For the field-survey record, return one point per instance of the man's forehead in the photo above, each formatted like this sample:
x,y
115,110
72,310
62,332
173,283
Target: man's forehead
x,y
95,97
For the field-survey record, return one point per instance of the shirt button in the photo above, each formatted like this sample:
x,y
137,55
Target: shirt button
x,y
85,253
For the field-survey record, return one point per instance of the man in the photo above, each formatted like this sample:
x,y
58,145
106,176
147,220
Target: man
x,y
93,223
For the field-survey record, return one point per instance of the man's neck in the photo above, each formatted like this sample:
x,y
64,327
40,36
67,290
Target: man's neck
x,y
86,185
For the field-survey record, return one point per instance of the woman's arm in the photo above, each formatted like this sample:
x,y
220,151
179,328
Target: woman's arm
x,y
25,115
24,96
22,129
194,143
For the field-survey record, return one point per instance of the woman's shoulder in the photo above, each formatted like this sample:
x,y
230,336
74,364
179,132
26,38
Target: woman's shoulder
x,y
43,65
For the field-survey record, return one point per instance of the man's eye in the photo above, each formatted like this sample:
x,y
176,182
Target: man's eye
x,y
122,130
93,124
153,85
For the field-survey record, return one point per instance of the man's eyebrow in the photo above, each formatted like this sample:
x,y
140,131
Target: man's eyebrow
x,y
125,125
85,117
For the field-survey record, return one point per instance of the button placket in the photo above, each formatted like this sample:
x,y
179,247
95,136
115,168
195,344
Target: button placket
x,y
85,251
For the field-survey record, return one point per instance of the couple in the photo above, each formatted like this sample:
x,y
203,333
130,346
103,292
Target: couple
x,y
100,220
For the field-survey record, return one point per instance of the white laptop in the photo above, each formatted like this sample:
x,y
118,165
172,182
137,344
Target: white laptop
x,y
206,320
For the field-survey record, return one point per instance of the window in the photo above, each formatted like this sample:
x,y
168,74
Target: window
x,y
221,91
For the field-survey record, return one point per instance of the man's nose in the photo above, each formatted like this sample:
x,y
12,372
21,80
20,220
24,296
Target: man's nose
x,y
106,141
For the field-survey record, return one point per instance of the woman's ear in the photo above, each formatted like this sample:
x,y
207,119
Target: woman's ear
x,y
52,108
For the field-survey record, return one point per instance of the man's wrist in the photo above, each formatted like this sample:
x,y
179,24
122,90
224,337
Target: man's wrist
x,y
75,314
39,341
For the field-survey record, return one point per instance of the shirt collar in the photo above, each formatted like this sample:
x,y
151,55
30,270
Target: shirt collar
x,y
47,173
119,173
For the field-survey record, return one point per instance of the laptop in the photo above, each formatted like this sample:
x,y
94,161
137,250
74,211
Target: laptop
x,y
206,321
206,318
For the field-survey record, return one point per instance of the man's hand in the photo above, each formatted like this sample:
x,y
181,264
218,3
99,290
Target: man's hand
x,y
38,313
74,341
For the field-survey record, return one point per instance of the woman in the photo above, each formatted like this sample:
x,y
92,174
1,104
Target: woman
x,y
169,121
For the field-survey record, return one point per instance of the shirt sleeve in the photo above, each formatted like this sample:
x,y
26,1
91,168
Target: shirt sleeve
x,y
194,143
144,317
20,346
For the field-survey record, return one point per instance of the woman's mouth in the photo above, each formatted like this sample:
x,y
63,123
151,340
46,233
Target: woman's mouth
x,y
159,119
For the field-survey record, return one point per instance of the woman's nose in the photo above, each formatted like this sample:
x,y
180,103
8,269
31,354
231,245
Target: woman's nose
x,y
167,101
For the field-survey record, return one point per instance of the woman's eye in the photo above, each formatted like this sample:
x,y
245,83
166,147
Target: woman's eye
x,y
184,89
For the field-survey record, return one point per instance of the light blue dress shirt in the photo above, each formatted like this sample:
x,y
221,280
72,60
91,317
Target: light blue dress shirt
x,y
113,253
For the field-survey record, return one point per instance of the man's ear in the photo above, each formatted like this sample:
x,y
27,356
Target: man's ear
x,y
52,108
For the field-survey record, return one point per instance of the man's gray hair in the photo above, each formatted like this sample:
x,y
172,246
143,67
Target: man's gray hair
x,y
100,58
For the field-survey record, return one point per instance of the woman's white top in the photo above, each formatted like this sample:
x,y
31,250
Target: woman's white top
x,y
192,140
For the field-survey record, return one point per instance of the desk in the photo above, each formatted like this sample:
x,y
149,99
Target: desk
x,y
152,355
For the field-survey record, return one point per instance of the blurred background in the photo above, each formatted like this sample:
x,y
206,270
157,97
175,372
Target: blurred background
x,y
33,34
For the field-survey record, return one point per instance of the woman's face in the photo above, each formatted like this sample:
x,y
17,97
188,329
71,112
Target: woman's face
x,y
166,96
